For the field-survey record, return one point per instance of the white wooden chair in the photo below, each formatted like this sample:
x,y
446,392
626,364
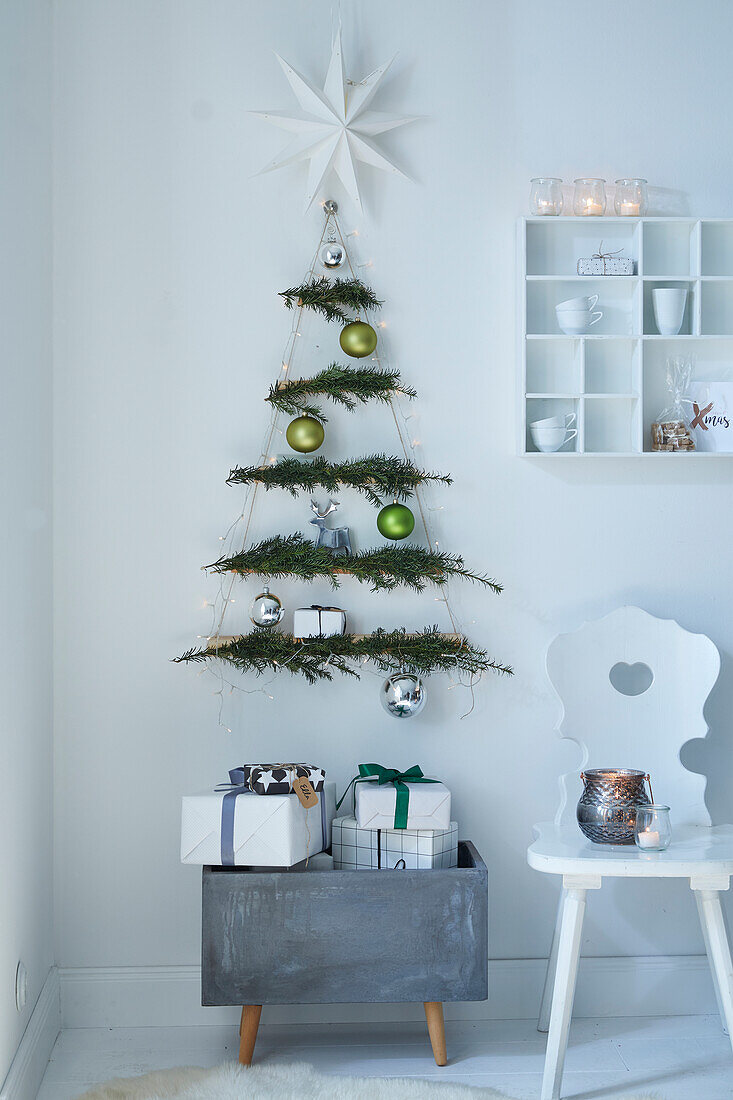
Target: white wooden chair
x,y
644,731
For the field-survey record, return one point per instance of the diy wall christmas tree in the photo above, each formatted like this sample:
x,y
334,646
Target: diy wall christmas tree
x,y
392,483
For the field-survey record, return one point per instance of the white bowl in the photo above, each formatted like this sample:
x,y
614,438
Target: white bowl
x,y
548,439
574,321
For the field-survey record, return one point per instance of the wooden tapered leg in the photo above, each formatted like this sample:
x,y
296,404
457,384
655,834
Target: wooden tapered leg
x,y
436,1031
248,1025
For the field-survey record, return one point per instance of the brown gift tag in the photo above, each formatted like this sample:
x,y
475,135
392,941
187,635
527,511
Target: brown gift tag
x,y
305,792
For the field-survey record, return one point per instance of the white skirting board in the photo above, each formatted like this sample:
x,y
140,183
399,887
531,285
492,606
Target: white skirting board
x,y
660,985
31,1058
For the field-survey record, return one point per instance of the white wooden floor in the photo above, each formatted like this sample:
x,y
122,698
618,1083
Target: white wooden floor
x,y
672,1058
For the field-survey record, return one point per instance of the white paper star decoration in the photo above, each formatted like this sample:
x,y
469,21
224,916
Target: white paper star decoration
x,y
334,128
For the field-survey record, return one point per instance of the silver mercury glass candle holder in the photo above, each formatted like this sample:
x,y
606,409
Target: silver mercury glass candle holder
x,y
607,808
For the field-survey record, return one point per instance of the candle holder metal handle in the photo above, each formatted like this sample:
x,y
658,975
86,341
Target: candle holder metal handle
x,y
607,808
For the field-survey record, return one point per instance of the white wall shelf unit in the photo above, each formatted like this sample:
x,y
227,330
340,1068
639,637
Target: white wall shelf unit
x,y
613,378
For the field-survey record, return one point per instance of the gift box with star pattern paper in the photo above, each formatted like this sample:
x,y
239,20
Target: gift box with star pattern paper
x,y
278,778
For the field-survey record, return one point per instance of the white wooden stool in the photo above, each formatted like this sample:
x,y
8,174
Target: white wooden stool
x,y
644,731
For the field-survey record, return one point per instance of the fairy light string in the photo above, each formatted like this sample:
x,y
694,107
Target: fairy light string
x,y
233,542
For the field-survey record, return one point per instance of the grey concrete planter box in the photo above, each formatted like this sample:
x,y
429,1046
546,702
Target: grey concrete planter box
x,y
328,936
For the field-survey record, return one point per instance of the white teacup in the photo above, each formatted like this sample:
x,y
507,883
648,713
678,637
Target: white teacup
x,y
583,302
550,439
574,322
669,309
563,421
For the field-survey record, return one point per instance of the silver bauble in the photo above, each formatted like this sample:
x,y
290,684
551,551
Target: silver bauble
x,y
403,695
266,609
332,254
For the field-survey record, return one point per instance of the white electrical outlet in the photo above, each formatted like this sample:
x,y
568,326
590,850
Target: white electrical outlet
x,y
21,986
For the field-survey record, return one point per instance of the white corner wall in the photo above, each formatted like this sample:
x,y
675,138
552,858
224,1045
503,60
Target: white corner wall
x,y
26,790
169,254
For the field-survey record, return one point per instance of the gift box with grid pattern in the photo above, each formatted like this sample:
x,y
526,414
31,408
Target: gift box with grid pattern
x,y
356,849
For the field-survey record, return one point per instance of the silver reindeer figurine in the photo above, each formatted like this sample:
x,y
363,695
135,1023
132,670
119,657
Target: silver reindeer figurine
x,y
333,539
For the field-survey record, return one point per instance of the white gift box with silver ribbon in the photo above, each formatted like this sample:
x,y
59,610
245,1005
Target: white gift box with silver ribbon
x,y
318,622
271,831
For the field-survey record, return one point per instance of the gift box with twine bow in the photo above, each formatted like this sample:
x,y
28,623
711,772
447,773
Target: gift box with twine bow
x,y
606,263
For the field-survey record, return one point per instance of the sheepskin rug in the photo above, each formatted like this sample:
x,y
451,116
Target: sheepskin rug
x,y
277,1082
281,1082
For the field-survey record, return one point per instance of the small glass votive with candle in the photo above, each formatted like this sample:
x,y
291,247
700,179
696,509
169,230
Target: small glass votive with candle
x,y
545,196
589,199
652,830
629,201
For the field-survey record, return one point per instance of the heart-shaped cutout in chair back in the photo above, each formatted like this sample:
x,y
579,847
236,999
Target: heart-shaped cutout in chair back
x,y
631,679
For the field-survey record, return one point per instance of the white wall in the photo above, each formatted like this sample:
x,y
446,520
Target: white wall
x,y
25,505
168,331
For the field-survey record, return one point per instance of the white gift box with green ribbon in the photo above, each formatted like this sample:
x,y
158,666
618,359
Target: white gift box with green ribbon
x,y
429,805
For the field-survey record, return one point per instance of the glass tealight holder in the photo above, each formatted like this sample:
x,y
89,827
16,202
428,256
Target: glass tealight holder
x,y
545,196
589,199
629,200
652,831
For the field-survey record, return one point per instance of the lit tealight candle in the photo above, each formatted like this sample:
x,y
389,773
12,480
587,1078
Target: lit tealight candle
x,y
592,207
629,210
648,838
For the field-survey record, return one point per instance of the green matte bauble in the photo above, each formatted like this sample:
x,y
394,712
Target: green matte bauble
x,y
358,339
395,521
305,434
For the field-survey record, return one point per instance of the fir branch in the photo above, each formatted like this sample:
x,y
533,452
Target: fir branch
x,y
344,385
372,475
384,569
332,299
317,658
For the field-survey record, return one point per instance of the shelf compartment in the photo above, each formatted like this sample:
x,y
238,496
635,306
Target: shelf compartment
x,y
554,366
717,248
612,367
539,408
713,359
616,301
688,319
717,309
670,248
611,425
554,245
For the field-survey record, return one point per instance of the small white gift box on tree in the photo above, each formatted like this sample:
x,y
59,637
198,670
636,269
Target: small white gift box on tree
x,y
318,622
